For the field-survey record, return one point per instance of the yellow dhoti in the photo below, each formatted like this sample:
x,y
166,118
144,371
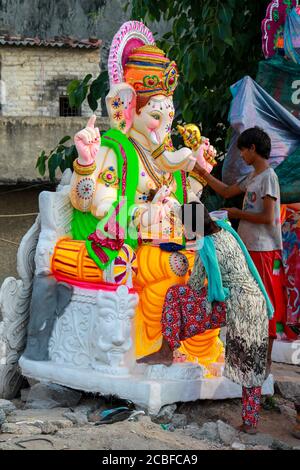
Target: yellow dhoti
x,y
157,272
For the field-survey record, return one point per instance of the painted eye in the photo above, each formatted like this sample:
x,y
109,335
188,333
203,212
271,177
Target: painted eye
x,y
156,116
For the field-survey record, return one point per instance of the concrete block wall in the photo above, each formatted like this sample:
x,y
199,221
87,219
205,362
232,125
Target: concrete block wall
x,y
33,78
23,139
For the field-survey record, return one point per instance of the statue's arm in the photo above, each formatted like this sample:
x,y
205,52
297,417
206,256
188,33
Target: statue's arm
x,y
181,159
98,190
195,187
107,183
86,166
83,187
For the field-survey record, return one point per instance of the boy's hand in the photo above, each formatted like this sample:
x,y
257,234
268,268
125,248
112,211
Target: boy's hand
x,y
233,212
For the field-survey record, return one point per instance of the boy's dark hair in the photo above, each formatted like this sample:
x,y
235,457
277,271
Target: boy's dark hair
x,y
190,219
259,138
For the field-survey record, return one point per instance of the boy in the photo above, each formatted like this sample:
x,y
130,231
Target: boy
x,y
260,226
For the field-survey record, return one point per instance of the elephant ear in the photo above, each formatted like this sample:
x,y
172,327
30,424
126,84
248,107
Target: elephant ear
x,y
120,104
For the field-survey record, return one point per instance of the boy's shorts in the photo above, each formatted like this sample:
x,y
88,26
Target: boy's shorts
x,y
269,266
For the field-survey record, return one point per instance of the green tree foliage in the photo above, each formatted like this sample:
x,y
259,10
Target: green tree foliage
x,y
215,43
63,156
78,90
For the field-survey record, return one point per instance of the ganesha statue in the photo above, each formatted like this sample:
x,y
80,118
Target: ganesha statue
x,y
100,275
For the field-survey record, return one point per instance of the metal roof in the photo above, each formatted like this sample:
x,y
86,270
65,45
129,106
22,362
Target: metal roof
x,y
63,42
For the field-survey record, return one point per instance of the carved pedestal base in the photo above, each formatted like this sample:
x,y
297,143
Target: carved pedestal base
x,y
181,383
15,296
286,352
92,349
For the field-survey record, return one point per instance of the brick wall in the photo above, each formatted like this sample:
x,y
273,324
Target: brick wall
x,y
33,78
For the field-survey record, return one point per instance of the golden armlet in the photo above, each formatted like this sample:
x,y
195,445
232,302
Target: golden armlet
x,y
198,178
84,170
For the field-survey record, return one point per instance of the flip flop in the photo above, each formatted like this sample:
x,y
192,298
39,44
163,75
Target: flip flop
x,y
114,416
99,415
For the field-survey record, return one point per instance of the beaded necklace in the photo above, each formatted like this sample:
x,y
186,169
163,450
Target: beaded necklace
x,y
151,170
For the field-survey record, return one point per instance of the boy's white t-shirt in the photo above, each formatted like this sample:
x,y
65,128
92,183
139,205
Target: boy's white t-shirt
x,y
261,237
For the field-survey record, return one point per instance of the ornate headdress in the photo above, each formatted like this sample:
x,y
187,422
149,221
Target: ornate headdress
x,y
150,72
134,59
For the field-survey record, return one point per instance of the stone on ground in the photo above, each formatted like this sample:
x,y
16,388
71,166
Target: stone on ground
x,y
165,415
48,396
7,407
238,446
78,418
2,417
227,434
179,421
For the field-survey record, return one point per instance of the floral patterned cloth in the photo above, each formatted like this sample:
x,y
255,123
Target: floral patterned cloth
x,y
246,313
291,261
251,405
187,313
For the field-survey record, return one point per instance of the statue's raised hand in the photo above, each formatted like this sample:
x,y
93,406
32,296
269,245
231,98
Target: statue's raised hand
x,y
87,142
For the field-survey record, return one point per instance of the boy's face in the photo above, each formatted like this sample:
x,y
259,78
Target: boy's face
x,y
248,155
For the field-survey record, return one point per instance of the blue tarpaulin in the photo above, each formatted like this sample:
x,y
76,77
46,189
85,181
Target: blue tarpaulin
x,y
253,106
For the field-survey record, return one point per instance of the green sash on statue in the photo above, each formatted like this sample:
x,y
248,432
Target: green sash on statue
x,y
84,224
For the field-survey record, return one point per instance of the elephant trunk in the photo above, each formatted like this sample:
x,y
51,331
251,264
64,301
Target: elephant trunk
x,y
173,161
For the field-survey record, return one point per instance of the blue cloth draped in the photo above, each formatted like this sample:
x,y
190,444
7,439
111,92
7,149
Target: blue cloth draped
x,y
216,291
208,255
253,106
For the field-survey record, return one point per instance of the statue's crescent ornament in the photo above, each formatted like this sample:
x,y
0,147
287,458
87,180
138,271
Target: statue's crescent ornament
x,y
131,35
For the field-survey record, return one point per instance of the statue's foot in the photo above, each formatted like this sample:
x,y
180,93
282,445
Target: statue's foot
x,y
159,357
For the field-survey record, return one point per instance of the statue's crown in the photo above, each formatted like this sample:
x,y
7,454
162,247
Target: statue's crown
x,y
150,72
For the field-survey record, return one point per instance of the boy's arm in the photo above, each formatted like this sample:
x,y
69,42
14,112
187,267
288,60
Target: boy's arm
x,y
221,188
265,217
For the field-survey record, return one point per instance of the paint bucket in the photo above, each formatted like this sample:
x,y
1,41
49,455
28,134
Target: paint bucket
x,y
219,215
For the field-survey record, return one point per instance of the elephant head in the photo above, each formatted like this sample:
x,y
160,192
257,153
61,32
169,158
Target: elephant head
x,y
49,301
140,101
111,337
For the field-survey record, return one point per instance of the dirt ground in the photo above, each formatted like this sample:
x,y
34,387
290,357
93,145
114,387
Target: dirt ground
x,y
142,435
16,201
61,434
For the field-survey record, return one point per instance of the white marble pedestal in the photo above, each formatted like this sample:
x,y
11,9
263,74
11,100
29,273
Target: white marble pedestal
x,y
149,387
286,352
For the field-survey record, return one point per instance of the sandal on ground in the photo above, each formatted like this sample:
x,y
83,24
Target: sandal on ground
x,y
113,415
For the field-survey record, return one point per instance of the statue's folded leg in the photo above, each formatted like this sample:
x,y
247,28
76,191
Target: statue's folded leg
x,y
157,272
